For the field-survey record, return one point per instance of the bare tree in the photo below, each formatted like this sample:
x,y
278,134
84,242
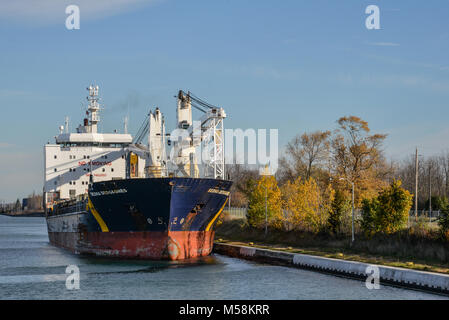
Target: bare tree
x,y
304,154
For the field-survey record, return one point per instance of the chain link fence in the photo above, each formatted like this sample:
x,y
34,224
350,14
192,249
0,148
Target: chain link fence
x,y
423,215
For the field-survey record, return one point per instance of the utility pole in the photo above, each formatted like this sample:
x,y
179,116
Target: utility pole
x,y
353,238
430,194
266,173
266,211
416,185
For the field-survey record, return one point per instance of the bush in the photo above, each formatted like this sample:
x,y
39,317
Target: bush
x,y
443,221
388,212
438,203
339,207
370,209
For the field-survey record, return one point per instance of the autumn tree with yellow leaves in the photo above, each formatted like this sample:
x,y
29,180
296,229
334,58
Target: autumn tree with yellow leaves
x,y
357,156
315,177
265,194
306,204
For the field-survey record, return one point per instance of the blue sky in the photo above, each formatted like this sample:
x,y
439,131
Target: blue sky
x,y
293,65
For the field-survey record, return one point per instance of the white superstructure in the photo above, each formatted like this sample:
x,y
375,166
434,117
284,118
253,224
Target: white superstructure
x,y
75,156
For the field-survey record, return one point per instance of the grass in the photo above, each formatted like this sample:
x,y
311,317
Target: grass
x,y
401,250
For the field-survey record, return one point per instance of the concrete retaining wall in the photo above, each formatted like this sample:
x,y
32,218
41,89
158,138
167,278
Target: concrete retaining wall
x,y
428,281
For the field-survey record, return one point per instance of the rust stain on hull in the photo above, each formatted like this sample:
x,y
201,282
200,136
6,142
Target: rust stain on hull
x,y
171,245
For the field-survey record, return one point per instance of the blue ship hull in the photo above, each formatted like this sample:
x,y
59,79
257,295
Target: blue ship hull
x,y
157,218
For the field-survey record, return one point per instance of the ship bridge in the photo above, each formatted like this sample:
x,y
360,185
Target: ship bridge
x,y
94,139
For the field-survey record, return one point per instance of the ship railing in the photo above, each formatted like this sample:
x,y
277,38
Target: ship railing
x,y
71,206
235,213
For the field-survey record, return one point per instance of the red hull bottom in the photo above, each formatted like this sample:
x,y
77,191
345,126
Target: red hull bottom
x,y
172,245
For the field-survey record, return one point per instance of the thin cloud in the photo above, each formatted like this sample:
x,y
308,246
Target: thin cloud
x,y
393,80
384,44
427,144
5,145
51,11
6,93
397,61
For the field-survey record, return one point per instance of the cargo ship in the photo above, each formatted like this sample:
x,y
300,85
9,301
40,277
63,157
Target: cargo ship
x,y
107,194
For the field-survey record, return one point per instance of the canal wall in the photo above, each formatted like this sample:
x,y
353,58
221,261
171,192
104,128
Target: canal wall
x,y
422,280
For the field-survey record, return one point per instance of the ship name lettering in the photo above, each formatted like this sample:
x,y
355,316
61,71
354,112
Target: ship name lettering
x,y
107,192
218,191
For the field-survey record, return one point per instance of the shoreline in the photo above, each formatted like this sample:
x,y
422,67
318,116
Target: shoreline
x,y
407,278
25,215
408,251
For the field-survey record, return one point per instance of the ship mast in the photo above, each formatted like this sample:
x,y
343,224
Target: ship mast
x,y
93,109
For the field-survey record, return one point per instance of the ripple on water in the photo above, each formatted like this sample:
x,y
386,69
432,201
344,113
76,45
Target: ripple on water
x,y
30,268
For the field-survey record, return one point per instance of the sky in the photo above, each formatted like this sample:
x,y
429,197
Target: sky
x,y
291,65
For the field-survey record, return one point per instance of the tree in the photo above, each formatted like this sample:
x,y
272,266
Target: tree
x,y
243,179
315,148
304,155
438,203
388,212
307,206
339,207
265,191
357,156
370,209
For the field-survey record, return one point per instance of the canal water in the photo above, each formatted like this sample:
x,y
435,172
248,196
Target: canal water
x,y
31,268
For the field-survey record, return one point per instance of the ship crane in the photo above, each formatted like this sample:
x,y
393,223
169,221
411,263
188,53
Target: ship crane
x,y
212,136
143,131
207,135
